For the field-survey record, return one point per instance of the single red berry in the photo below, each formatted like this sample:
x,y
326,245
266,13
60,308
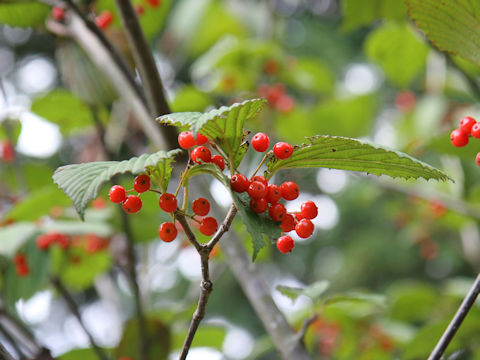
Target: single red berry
x,y
104,19
8,152
61,240
475,132
466,124
58,13
309,210
477,159
285,104
260,142
258,205
201,139
20,258
139,9
186,140
201,206
304,228
219,161
282,150
239,183
458,138
201,154
132,204
117,194
289,190
22,270
208,226
260,178
153,3
141,183
167,231
168,202
277,212
288,223
257,190
285,244
299,216
273,193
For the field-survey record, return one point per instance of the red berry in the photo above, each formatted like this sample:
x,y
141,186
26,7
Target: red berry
x,y
257,190
260,142
277,212
285,104
167,231
219,161
139,9
285,244
201,139
466,124
104,19
20,259
289,190
186,140
273,193
475,132
22,270
304,228
239,183
309,210
8,152
208,226
117,194
132,204
201,206
288,223
282,150
141,183
260,178
258,205
168,202
58,13
477,159
458,138
201,154
153,3
43,242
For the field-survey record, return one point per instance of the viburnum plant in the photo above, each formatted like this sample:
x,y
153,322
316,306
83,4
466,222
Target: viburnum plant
x,y
216,143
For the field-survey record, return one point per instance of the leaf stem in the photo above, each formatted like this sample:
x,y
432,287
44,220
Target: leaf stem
x,y
261,162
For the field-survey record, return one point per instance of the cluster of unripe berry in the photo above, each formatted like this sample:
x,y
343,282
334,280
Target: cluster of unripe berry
x,y
460,137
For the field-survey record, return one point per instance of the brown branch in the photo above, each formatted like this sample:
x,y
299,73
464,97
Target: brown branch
x,y
224,227
188,231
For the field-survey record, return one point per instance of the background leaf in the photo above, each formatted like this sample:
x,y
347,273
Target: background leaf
x,y
313,291
24,14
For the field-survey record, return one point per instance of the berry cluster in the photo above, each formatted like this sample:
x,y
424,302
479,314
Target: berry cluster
x,y
45,241
7,152
200,153
460,137
131,203
277,97
21,265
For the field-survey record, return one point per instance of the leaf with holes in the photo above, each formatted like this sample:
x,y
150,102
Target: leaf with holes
x,y
224,126
81,182
342,153
453,26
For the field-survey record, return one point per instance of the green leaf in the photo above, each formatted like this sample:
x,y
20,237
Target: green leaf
x,y
399,52
24,14
310,74
453,26
342,153
375,299
79,354
189,98
313,291
14,236
81,182
224,126
207,335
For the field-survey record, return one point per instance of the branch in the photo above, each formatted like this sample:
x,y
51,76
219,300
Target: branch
x,y
306,323
224,227
20,332
75,311
457,320
4,354
12,341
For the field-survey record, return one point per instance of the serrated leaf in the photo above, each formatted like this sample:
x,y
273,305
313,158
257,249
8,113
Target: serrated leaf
x,y
81,182
342,153
224,125
313,291
453,26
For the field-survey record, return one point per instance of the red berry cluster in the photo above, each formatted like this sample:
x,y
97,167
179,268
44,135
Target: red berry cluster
x,y
44,241
131,203
277,97
199,154
7,152
460,137
21,265
104,20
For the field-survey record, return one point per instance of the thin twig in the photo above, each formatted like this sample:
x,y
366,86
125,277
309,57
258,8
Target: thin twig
x,y
12,341
457,320
76,312
188,231
4,354
224,227
306,324
20,331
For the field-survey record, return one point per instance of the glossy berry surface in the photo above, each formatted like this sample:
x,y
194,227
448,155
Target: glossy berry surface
x,y
58,13
219,161
201,139
186,140
132,204
168,202
285,244
304,228
257,190
477,159
259,205
104,20
260,178
167,231
117,194
289,190
282,150
141,183
273,193
277,212
309,210
239,183
201,206
288,223
260,142
458,138
201,154
475,132
208,226
466,124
